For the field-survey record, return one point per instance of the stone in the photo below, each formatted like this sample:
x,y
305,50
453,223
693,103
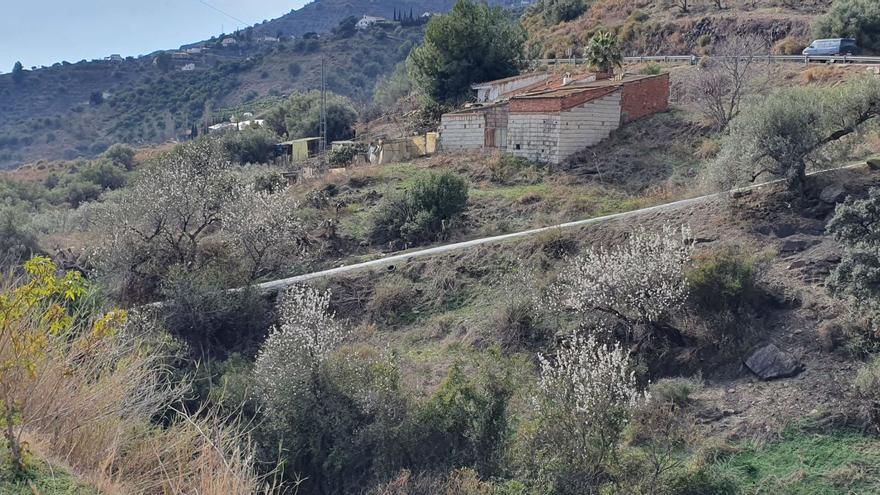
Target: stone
x,y
833,194
794,245
873,163
769,363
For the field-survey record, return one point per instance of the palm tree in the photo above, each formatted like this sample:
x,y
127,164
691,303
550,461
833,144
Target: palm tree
x,y
603,52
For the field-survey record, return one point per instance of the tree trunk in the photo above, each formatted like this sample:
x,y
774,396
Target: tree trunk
x,y
12,440
795,180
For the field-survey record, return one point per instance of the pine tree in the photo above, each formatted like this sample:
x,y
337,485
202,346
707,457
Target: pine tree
x,y
17,72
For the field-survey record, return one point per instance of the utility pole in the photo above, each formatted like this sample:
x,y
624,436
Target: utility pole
x,y
323,125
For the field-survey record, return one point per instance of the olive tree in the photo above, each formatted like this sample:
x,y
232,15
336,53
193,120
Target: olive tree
x,y
780,136
856,226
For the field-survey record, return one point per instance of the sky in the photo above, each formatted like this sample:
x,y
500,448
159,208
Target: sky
x,y
42,32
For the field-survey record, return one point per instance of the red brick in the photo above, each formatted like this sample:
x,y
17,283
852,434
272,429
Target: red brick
x,y
644,97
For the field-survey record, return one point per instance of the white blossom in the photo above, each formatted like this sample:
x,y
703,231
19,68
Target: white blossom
x,y
265,228
586,396
168,210
306,335
593,380
641,280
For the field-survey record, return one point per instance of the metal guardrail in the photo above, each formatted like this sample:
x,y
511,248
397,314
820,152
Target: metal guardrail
x,y
694,59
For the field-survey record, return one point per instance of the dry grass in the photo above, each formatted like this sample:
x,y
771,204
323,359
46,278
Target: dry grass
x,y
90,405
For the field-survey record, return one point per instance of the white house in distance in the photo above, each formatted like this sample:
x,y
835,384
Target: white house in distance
x,y
367,21
188,67
228,41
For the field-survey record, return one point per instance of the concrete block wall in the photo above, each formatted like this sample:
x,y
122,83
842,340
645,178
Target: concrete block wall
x,y
534,136
553,136
464,131
588,124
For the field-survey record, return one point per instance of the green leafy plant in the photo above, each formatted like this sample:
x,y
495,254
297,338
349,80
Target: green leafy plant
x,y
603,52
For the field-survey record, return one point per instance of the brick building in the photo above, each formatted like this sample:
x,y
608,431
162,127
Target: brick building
x,y
549,126
550,120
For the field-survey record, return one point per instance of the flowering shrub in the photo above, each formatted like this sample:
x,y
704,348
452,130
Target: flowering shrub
x,y
307,333
586,396
265,229
640,281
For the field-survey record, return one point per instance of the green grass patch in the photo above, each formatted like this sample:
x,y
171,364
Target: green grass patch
x,y
47,479
809,464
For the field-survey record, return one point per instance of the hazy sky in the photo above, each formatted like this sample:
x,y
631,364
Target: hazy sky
x,y
42,32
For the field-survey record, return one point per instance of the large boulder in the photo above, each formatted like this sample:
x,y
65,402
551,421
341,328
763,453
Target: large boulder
x,y
833,194
769,363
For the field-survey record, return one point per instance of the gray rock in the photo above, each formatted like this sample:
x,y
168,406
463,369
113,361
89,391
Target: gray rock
x,y
769,363
833,194
796,245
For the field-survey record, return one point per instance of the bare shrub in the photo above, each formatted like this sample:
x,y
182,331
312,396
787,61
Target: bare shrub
x,y
392,299
867,389
726,78
517,319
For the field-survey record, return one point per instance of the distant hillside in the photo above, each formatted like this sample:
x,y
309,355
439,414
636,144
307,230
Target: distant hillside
x,y
323,15
78,110
649,27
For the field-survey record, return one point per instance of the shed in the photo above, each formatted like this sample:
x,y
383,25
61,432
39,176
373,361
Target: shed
x,y
475,128
550,125
299,149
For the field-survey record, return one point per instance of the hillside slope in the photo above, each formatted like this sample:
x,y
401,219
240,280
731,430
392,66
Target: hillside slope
x,y
78,110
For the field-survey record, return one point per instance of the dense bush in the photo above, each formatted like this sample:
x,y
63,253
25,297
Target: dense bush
x,y
213,321
120,154
343,155
300,116
464,423
17,242
724,280
423,211
859,19
250,145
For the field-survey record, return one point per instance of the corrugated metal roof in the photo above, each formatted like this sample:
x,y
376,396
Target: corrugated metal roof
x,y
506,79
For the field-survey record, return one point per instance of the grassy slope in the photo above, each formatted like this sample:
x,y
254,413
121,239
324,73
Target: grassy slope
x,y
804,463
47,479
665,29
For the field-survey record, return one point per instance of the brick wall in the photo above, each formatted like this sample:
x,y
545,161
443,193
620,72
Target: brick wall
x,y
645,97
557,103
